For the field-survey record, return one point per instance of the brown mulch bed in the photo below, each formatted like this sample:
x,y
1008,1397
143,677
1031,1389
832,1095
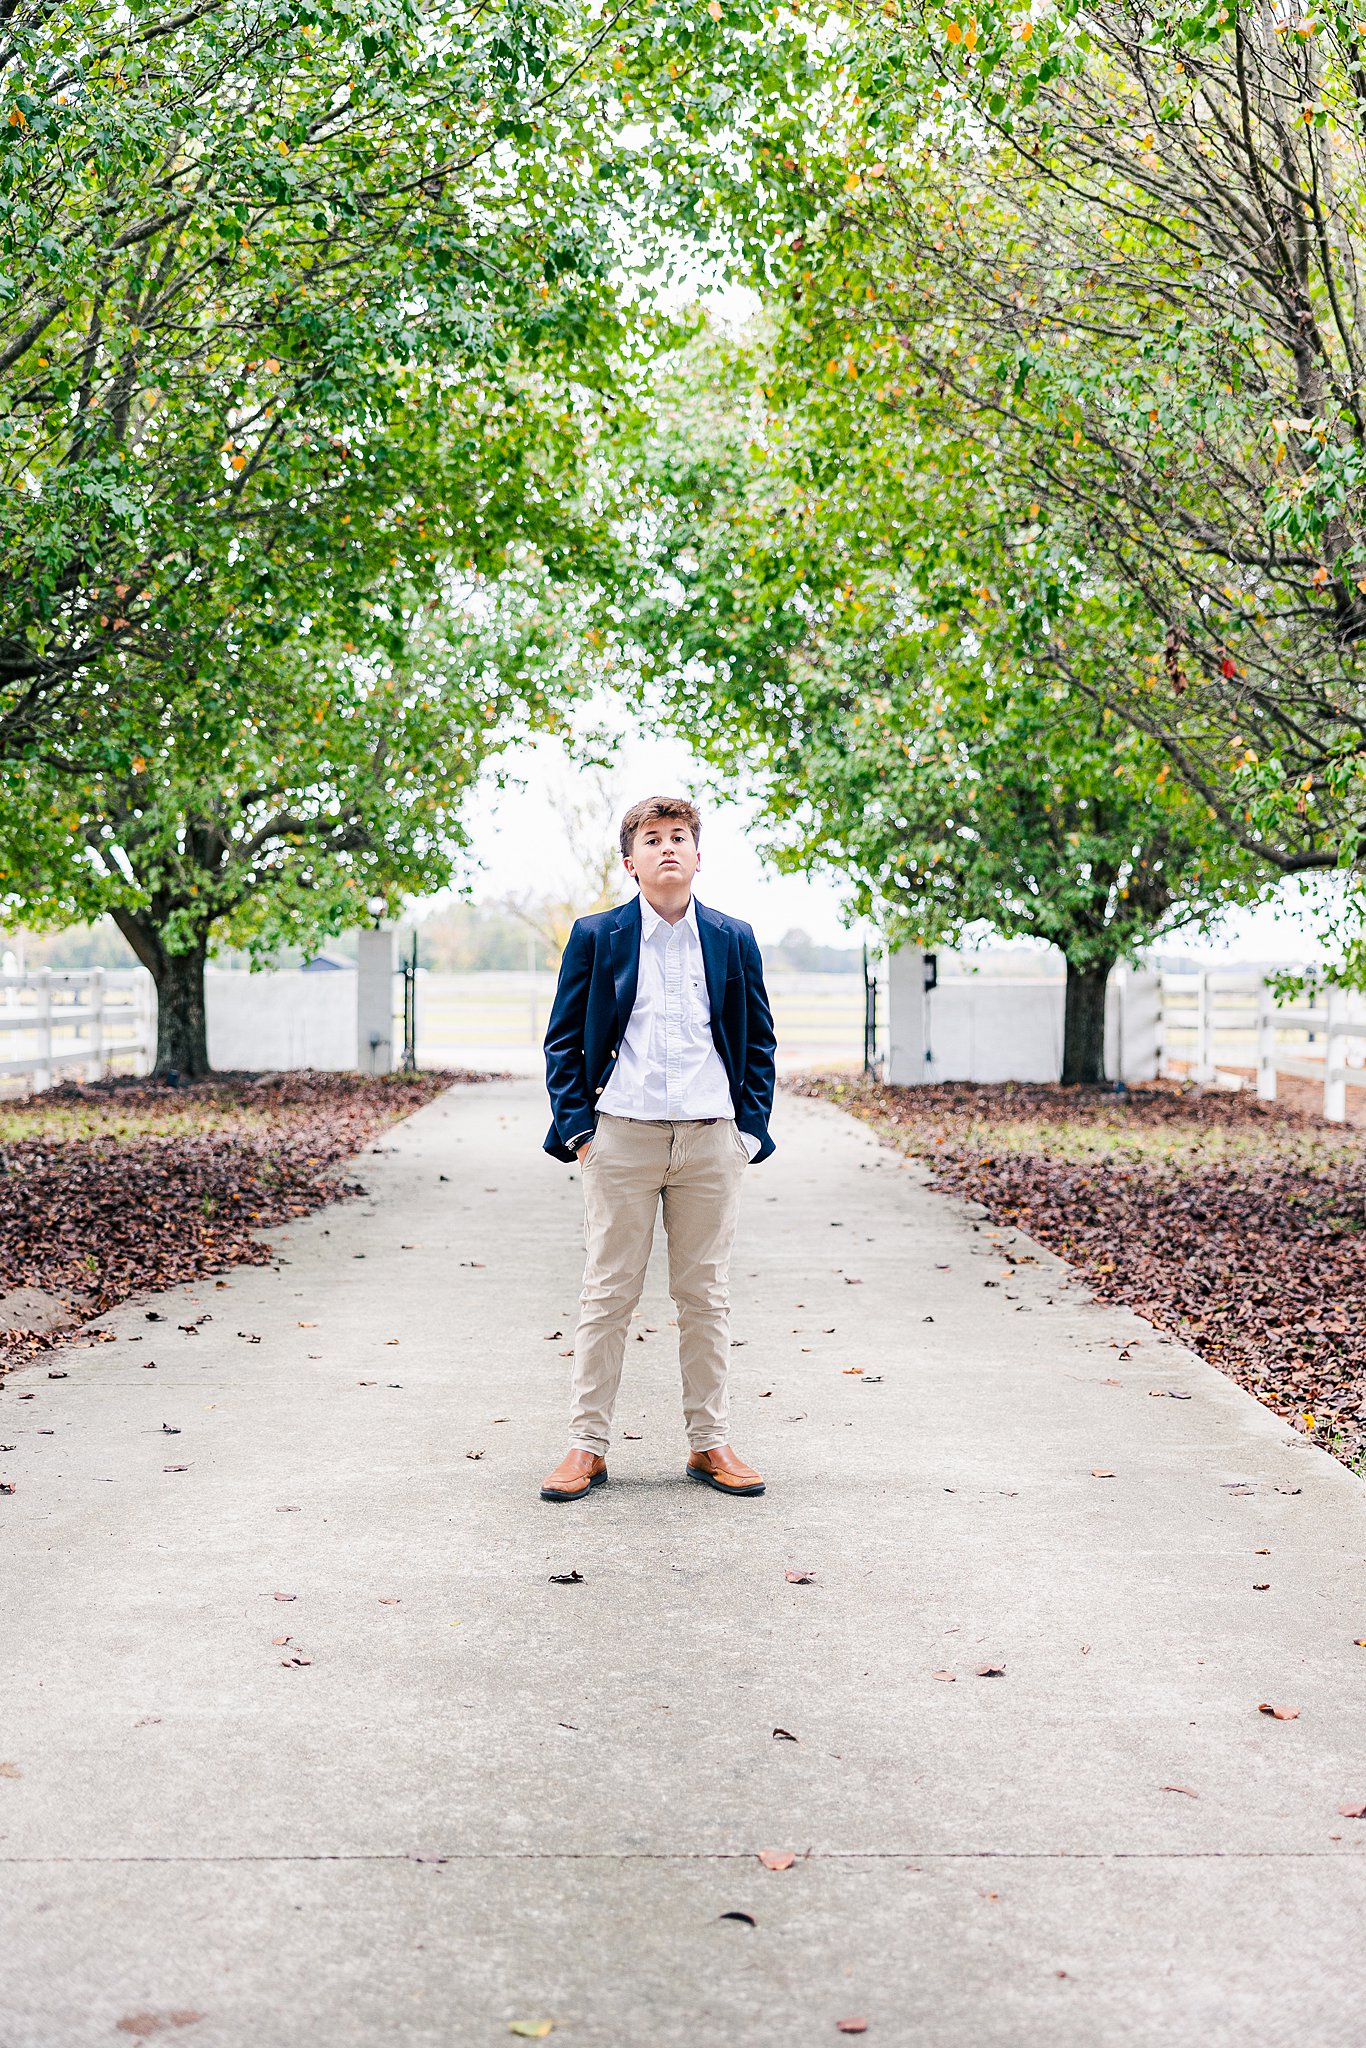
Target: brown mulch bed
x,y
1238,1226
126,1187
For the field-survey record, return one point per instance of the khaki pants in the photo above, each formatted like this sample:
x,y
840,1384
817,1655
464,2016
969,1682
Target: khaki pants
x,y
696,1170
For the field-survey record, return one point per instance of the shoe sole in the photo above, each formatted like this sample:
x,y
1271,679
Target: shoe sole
x,y
706,1479
598,1479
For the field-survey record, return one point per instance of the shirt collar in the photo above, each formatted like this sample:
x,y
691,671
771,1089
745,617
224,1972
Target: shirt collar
x,y
650,919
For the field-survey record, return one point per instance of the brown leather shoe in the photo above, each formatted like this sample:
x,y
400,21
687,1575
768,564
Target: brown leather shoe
x,y
575,1475
725,1470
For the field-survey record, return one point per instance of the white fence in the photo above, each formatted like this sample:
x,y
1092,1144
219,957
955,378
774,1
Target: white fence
x,y
1222,1022
92,1020
989,1028
1213,1024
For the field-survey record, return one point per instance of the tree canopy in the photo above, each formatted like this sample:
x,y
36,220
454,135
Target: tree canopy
x,y
1115,251
813,610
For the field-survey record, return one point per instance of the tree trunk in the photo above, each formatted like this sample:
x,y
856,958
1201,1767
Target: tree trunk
x,y
182,1032
1083,1033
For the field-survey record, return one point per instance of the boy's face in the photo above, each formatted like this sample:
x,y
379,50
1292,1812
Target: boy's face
x,y
663,855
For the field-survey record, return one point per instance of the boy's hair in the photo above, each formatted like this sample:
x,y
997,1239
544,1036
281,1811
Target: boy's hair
x,y
652,807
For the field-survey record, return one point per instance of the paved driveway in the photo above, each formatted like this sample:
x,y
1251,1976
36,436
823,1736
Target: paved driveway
x,y
457,1795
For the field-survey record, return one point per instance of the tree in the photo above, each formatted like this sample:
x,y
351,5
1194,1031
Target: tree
x,y
305,316
226,227
1119,249
810,613
591,876
279,808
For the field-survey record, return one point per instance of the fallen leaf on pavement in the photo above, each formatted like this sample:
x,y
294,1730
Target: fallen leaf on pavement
x,y
13,1771
947,1677
308,1326
390,1600
853,2026
799,1578
144,2024
632,1436
1101,1472
288,1661
1262,1586
1189,1790
783,1735
175,1468
991,1670
474,1454
777,1859
748,1918
280,1642
1279,1713
531,2030
1348,1812
851,1368
566,1578
553,1337
284,1596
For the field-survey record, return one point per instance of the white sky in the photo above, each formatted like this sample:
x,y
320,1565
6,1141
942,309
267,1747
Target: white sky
x,y
518,837
518,845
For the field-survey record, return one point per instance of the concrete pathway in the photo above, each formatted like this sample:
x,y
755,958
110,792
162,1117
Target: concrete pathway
x,y
460,1795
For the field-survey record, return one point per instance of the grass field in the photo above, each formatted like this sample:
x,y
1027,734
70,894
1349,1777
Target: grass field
x,y
500,1019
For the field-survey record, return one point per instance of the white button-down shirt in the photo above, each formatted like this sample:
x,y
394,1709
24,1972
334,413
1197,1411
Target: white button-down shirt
x,y
668,1069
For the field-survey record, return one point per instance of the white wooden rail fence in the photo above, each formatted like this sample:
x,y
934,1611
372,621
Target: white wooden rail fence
x,y
88,1020
1216,1022
1223,1022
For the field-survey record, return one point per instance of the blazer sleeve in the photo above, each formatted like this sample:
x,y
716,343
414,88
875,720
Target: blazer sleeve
x,y
761,1040
566,1070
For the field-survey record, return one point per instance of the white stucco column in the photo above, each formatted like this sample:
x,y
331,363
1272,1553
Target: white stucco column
x,y
907,1020
375,1002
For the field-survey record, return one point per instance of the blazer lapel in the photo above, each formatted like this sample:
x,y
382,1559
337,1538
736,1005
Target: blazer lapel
x,y
715,941
626,963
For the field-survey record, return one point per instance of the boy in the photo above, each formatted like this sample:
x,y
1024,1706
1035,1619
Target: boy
x,y
659,1062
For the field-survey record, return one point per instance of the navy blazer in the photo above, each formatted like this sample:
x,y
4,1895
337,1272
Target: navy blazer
x,y
593,1004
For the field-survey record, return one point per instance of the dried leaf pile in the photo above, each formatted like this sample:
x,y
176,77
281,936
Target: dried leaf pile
x,y
125,1187
1236,1225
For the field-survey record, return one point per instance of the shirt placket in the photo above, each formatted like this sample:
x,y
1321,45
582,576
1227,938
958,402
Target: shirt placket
x,y
673,1023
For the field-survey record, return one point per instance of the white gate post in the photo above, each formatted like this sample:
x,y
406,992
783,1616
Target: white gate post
x,y
42,1072
907,1022
1204,1035
1266,1045
375,1002
145,1013
94,1066
1334,1082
